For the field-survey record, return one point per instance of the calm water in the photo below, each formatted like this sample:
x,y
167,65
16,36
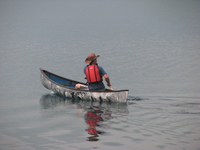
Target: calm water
x,y
150,47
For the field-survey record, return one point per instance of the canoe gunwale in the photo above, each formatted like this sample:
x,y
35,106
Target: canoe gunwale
x,y
63,85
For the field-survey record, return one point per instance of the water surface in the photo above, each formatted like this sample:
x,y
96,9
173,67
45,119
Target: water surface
x,y
149,47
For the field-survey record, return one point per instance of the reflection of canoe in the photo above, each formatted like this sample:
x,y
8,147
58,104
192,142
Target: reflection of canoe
x,y
95,114
66,87
49,101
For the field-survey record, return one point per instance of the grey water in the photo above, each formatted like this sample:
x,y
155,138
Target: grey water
x,y
150,47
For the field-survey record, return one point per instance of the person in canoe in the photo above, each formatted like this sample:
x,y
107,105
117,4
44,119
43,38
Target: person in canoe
x,y
94,74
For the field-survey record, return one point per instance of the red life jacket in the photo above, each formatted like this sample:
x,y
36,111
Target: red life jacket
x,y
92,74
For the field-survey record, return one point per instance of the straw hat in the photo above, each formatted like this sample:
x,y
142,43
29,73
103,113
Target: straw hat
x,y
91,57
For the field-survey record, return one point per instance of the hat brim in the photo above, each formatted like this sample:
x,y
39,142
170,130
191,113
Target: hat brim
x,y
89,61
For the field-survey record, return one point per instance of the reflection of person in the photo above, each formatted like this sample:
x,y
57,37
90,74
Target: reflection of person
x,y
94,74
92,118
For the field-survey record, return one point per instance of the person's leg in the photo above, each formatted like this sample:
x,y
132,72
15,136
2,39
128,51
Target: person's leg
x,y
78,86
81,86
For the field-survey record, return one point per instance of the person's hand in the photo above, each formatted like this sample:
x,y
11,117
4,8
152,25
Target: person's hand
x,y
109,85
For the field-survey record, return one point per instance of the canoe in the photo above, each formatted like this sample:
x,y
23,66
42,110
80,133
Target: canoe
x,y
66,87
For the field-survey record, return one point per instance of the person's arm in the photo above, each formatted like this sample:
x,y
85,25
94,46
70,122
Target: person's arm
x,y
107,79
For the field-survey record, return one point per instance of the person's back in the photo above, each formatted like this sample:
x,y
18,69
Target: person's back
x,y
94,74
